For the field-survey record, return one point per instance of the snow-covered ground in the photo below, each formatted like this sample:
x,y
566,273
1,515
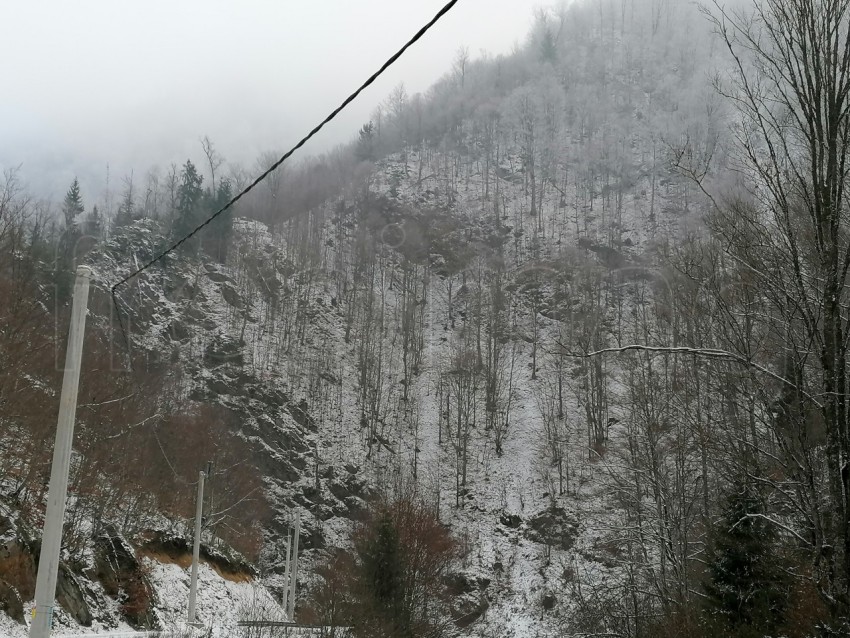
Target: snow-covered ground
x,y
221,604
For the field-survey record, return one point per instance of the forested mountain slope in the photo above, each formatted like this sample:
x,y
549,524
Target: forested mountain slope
x,y
546,300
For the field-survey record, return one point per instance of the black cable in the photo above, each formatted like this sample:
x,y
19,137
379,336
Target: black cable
x,y
286,155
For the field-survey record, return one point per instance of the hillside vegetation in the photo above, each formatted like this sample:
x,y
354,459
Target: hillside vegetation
x,y
576,316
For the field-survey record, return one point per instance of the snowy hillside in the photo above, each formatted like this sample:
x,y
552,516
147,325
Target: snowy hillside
x,y
222,602
336,346
526,359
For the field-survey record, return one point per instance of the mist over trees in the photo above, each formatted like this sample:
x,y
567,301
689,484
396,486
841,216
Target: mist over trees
x,y
576,310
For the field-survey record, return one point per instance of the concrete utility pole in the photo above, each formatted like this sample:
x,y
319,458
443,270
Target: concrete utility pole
x,y
208,488
286,572
196,551
294,575
51,540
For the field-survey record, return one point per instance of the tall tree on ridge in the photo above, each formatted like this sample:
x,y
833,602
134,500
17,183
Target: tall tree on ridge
x,y
72,205
189,199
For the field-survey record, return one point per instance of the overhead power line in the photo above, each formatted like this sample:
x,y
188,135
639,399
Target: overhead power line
x,y
286,155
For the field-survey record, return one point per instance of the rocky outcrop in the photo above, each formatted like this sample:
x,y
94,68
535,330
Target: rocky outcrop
x,y
72,598
554,527
10,602
17,569
178,550
123,578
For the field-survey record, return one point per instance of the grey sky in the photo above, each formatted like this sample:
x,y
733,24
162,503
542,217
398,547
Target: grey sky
x,y
136,83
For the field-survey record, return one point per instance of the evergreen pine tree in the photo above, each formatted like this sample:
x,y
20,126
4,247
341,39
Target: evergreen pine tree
x,y
94,223
72,206
747,592
221,228
383,570
548,48
365,150
189,211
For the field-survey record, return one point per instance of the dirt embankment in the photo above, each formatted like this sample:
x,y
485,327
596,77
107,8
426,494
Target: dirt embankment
x,y
178,551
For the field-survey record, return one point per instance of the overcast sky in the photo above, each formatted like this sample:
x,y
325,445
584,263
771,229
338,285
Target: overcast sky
x,y
134,83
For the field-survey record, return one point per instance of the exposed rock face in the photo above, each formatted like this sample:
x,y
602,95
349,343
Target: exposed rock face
x,y
232,296
17,570
469,609
122,577
469,597
10,602
222,350
18,575
219,277
70,594
554,527
178,331
177,548
510,520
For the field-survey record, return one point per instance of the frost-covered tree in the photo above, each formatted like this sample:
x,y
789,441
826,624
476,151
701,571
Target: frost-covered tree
x,y
790,83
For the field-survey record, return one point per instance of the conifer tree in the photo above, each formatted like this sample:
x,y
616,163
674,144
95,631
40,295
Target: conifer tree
x,y
72,206
189,212
403,554
94,223
365,150
747,592
220,229
382,566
